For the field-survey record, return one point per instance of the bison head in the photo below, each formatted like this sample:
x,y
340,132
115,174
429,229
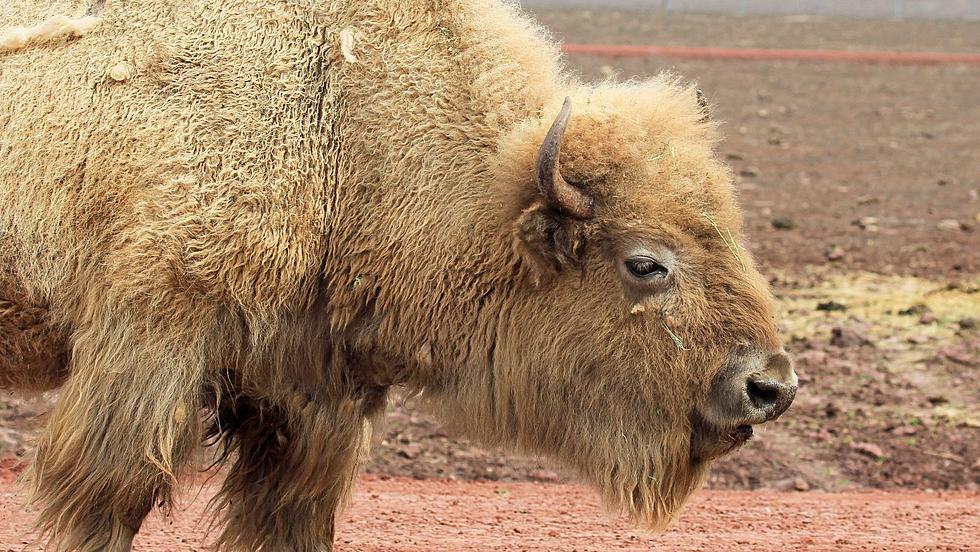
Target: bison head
x,y
586,296
641,343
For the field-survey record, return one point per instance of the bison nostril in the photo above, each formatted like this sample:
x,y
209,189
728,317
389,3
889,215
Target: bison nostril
x,y
770,396
763,393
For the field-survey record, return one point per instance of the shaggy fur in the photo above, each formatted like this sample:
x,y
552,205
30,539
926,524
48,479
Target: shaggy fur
x,y
242,221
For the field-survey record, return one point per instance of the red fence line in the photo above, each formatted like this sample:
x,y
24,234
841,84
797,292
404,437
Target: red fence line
x,y
765,54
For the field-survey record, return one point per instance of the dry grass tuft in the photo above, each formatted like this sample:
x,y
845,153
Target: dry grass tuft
x,y
729,240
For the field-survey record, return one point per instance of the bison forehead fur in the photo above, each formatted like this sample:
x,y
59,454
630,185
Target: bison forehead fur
x,y
242,221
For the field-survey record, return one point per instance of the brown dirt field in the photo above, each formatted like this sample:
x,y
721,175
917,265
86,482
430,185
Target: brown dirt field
x,y
399,515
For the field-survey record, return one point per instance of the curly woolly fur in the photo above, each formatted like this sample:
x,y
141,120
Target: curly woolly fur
x,y
241,221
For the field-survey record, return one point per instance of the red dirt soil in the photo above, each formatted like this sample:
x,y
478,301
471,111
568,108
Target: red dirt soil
x,y
402,515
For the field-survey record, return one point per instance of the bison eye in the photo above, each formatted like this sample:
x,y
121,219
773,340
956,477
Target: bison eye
x,y
646,268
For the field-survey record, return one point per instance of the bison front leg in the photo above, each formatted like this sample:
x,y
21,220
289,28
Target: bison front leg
x,y
295,465
124,426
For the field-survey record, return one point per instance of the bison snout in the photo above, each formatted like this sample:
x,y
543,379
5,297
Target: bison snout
x,y
753,388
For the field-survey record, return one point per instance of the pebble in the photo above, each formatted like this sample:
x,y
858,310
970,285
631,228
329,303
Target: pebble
x,y
783,223
791,484
831,306
948,225
410,451
869,224
905,430
869,449
918,308
546,476
844,338
958,354
836,253
928,318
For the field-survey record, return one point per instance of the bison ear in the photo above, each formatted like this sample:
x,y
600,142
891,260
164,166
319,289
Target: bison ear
x,y
548,241
550,234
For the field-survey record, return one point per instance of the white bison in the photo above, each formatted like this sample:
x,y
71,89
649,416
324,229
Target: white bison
x,y
244,221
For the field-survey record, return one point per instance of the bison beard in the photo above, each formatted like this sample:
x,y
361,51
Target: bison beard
x,y
241,223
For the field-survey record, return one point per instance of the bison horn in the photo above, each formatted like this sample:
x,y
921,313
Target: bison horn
x,y
559,194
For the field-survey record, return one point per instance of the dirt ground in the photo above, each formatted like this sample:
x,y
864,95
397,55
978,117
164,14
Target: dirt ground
x,y
860,188
400,515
